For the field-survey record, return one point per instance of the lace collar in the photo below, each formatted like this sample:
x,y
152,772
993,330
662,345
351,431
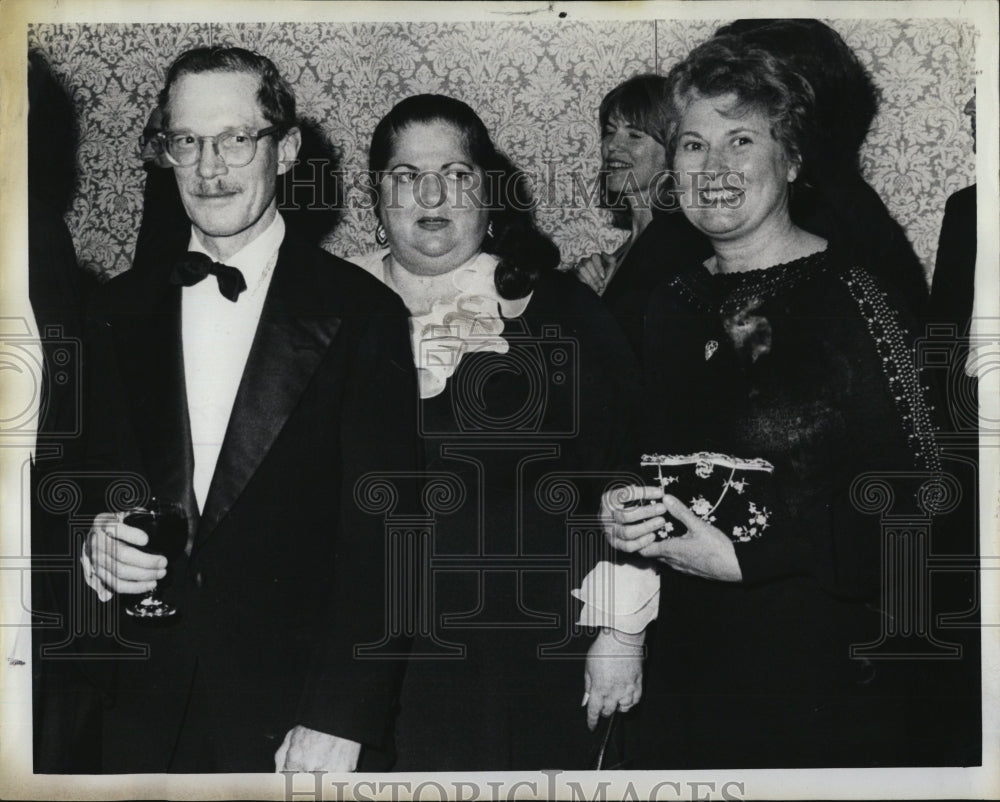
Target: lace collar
x,y
471,320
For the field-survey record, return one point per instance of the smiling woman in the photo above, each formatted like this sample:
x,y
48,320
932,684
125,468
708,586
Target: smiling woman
x,y
640,192
776,348
633,177
737,148
734,174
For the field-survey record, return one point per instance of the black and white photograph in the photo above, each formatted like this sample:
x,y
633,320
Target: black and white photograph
x,y
494,401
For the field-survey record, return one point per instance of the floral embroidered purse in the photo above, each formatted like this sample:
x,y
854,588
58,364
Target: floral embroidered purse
x,y
728,492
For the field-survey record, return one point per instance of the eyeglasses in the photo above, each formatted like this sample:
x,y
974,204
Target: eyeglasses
x,y
236,148
150,139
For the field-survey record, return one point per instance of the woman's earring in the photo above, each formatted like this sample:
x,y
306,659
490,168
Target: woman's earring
x,y
489,230
381,238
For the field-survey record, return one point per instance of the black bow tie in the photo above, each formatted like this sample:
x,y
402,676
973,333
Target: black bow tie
x,y
194,266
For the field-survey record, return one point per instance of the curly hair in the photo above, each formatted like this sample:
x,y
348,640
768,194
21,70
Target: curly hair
x,y
846,99
524,251
275,96
830,197
643,102
760,81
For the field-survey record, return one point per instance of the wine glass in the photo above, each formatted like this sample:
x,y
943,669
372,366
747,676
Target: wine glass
x,y
166,525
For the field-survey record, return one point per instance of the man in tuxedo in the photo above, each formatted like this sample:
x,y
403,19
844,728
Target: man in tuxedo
x,y
254,380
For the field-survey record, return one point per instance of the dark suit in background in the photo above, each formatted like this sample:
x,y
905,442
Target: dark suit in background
x,y
955,265
66,705
951,307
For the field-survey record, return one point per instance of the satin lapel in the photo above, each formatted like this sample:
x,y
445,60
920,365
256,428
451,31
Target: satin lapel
x,y
151,359
287,349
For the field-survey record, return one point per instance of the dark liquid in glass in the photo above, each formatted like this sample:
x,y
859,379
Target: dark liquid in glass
x,y
166,525
167,531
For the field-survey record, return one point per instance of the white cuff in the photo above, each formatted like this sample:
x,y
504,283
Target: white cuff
x,y
91,578
620,596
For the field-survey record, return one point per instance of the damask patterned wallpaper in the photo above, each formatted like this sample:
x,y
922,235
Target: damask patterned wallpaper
x,y
537,87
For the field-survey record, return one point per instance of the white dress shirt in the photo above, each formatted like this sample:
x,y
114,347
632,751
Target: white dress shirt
x,y
216,335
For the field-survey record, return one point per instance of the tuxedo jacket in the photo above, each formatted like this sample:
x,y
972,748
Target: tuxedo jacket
x,y
287,573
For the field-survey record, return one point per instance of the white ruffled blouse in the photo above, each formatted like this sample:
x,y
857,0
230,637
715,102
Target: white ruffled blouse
x,y
619,596
469,321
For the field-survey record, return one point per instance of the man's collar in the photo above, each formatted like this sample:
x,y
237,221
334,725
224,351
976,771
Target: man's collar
x,y
253,257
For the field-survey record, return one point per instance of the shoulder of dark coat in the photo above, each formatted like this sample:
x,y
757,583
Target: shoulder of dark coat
x,y
962,202
564,293
333,280
121,289
562,299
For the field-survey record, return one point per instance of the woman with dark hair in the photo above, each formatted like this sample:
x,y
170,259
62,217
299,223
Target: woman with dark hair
x,y
636,186
785,376
832,198
523,379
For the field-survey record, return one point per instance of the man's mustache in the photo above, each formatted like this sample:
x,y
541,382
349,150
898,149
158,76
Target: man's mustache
x,y
214,189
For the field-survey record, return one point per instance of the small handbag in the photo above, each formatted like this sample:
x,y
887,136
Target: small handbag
x,y
731,493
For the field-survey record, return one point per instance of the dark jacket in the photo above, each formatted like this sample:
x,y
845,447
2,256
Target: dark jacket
x,y
287,574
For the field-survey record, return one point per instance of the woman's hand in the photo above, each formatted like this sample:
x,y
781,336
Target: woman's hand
x,y
613,675
703,550
594,270
629,523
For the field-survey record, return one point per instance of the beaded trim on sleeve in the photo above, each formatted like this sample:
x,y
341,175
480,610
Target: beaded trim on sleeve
x,y
898,365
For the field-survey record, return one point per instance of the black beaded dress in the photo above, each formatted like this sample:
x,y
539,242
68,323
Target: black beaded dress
x,y
809,366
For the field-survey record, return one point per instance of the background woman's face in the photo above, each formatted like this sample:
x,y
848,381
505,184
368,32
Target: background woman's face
x,y
430,203
630,157
734,174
